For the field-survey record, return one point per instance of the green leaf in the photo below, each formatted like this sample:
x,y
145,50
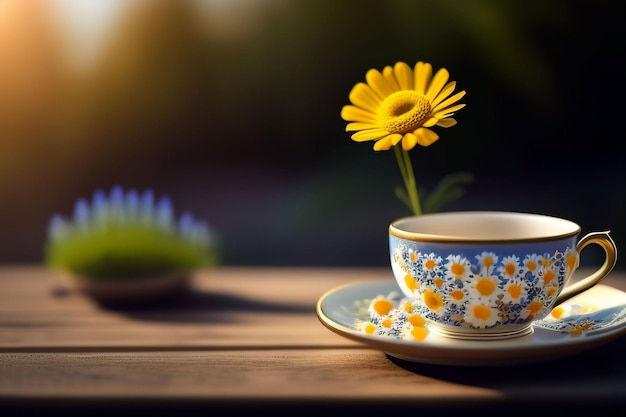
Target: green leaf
x,y
449,189
402,196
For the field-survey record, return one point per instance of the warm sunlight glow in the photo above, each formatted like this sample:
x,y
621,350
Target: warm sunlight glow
x,y
231,19
86,25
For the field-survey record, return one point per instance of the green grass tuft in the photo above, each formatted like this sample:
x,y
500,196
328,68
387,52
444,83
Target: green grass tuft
x,y
114,242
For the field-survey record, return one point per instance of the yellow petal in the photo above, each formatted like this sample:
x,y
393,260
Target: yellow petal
x,y
430,122
404,75
351,127
384,144
409,141
425,137
395,138
445,92
441,106
422,74
439,80
416,320
363,96
371,134
378,83
382,306
447,122
356,114
419,333
391,78
448,112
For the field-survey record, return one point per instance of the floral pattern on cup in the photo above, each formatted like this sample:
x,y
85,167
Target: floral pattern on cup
x,y
486,291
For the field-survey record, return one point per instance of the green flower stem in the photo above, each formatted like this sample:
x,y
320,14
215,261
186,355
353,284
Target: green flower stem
x,y
406,169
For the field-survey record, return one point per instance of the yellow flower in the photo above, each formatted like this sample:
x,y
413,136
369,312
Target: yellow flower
x,y
401,104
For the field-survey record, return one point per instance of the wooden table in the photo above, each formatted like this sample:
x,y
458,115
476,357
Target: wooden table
x,y
248,339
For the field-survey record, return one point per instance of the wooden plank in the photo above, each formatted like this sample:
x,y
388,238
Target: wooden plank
x,y
348,374
234,307
234,331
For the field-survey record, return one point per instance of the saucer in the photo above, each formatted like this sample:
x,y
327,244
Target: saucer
x,y
586,321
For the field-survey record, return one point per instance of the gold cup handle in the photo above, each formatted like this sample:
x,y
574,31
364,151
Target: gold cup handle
x,y
599,238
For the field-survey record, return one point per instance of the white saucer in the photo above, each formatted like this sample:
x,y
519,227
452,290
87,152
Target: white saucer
x,y
592,318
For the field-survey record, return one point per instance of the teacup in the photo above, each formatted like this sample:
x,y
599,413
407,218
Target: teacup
x,y
489,274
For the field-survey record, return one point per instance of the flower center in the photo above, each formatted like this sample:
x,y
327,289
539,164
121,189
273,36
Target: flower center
x,y
403,111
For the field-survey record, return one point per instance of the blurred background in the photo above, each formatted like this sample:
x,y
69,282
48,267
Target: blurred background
x,y
231,108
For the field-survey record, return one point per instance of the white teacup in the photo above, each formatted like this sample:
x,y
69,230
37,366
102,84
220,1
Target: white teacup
x,y
488,274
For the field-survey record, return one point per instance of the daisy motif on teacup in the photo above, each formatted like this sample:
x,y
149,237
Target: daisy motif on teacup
x,y
484,289
514,290
531,263
411,283
456,293
535,306
422,270
481,315
547,278
550,279
509,267
486,262
458,267
434,301
571,261
545,261
432,264
440,281
413,256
